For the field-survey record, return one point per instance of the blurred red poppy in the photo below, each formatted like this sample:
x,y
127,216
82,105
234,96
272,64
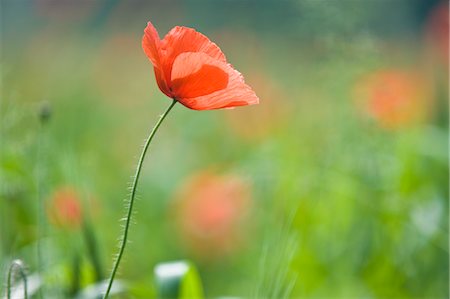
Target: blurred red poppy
x,y
193,70
210,212
64,209
393,97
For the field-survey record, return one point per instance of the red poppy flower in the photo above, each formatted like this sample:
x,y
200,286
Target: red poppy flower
x,y
211,211
193,70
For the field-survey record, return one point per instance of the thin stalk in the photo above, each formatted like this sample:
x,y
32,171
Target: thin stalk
x,y
44,116
75,283
91,244
16,264
40,211
132,196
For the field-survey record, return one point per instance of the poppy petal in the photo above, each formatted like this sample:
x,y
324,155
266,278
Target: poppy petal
x,y
197,74
151,44
161,82
236,93
182,39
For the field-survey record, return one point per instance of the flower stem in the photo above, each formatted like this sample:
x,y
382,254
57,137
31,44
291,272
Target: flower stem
x,y
132,196
16,265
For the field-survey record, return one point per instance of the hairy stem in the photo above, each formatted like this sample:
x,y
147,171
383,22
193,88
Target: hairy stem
x,y
132,196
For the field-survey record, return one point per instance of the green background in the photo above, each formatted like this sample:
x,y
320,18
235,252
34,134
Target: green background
x,y
342,207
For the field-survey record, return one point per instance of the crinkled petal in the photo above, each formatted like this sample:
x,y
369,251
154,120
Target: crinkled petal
x,y
151,44
162,84
191,66
197,74
182,39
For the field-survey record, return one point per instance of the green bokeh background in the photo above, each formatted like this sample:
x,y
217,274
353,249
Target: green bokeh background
x,y
342,206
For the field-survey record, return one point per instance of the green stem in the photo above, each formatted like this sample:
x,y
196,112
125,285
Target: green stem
x,y
91,244
132,196
19,265
44,117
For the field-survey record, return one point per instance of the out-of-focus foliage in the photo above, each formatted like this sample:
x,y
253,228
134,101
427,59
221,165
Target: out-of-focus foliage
x,y
178,280
335,185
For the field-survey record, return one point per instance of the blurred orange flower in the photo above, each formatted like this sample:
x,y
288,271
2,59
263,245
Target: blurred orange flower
x,y
210,211
393,97
64,209
193,70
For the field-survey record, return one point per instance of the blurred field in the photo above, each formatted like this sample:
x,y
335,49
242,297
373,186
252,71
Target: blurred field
x,y
334,186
